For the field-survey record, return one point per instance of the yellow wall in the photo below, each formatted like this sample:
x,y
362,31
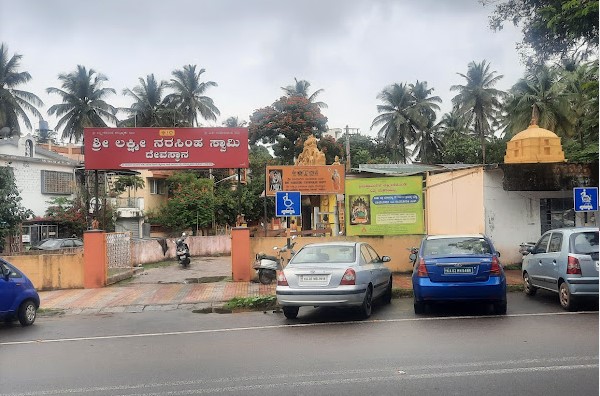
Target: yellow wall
x,y
394,246
151,201
51,271
454,202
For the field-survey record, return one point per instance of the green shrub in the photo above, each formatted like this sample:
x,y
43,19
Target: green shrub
x,y
252,303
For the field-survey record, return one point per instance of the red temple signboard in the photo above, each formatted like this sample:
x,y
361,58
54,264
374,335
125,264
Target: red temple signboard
x,y
165,148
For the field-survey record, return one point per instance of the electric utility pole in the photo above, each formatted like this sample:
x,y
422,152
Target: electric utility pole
x,y
348,166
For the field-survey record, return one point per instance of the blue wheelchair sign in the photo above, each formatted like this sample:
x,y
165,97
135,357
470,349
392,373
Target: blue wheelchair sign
x,y
287,203
585,199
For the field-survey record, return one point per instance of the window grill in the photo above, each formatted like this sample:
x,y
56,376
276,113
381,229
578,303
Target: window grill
x,y
54,182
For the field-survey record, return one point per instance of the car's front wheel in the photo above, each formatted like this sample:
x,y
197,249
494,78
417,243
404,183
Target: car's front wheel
x,y
291,312
528,287
27,313
567,301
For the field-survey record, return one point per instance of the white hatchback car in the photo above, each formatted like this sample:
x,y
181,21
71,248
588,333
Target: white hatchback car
x,y
564,261
334,274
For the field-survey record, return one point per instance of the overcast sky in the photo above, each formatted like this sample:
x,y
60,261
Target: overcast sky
x,y
251,48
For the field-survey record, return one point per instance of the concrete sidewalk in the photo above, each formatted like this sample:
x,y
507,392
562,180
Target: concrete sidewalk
x,y
171,287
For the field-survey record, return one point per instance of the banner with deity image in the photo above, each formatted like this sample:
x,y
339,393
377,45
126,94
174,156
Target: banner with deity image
x,y
385,206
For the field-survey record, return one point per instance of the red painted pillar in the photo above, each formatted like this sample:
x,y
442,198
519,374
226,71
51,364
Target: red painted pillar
x,y
94,259
240,254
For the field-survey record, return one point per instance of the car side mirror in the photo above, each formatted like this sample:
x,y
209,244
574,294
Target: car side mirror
x,y
497,253
531,249
386,259
5,272
412,257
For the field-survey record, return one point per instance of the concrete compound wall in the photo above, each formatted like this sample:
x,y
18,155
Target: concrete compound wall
x,y
51,271
67,271
144,251
394,246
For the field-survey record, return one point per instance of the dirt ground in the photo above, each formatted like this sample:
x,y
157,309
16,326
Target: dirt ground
x,y
201,269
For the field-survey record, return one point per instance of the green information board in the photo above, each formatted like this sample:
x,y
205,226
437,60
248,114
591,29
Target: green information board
x,y
384,206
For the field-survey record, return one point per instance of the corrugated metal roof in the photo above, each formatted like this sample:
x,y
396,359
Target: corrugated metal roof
x,y
410,169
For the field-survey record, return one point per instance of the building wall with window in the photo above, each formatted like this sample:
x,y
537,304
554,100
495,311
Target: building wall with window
x,y
475,201
40,175
513,217
154,193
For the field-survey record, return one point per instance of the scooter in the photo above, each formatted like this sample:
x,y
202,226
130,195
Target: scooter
x,y
525,246
414,253
182,251
267,266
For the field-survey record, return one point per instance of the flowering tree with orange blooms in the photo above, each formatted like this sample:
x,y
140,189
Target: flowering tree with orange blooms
x,y
286,124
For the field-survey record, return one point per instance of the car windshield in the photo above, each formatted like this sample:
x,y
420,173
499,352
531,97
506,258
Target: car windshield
x,y
457,245
585,243
51,244
325,254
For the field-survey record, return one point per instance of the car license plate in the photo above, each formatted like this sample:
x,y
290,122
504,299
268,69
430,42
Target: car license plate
x,y
314,278
458,270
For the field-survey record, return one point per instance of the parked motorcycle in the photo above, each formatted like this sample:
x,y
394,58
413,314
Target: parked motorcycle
x,y
524,246
414,253
267,266
182,251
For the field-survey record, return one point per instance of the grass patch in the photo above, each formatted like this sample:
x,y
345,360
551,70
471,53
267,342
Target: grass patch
x,y
252,303
398,293
513,266
514,288
50,311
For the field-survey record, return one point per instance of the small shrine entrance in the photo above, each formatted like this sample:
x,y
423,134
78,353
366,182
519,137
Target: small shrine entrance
x,y
319,211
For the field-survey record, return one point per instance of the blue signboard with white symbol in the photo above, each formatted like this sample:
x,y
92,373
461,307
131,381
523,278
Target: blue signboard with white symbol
x,y
586,199
287,203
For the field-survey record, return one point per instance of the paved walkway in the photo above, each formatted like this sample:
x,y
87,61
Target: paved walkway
x,y
170,288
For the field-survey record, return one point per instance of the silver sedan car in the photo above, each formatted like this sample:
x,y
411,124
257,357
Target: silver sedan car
x,y
334,274
564,261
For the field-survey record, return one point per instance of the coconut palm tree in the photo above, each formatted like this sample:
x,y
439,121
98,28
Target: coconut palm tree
x,y
234,122
15,103
582,93
452,125
83,103
148,108
428,146
300,88
539,98
398,121
189,97
478,100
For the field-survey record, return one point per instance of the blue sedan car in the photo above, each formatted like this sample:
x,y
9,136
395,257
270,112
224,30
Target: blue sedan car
x,y
458,268
18,297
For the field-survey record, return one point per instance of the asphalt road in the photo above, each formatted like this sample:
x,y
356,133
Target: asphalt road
x,y
537,349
